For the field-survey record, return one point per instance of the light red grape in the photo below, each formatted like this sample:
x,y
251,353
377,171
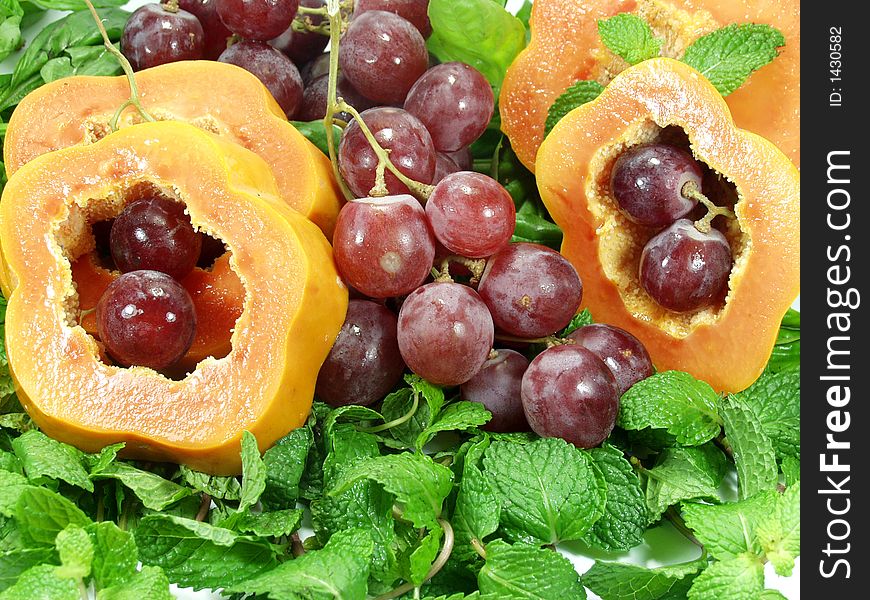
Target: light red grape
x,y
272,68
303,46
155,36
624,354
415,11
216,33
258,20
498,386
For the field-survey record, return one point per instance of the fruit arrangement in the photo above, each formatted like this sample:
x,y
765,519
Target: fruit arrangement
x,y
285,315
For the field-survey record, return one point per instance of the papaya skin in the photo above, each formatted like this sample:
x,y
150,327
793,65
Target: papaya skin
x,y
730,346
218,97
294,304
565,48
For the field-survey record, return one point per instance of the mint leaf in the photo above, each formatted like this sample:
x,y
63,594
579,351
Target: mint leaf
x,y
432,393
397,405
151,583
218,487
11,487
285,465
417,482
253,472
11,14
459,416
115,554
153,491
315,132
753,451
728,56
624,521
775,400
76,552
41,514
15,560
18,421
45,459
578,94
780,532
43,581
672,400
477,509
270,524
199,555
549,490
629,37
349,412
791,470
524,571
621,581
728,530
479,33
787,351
421,559
683,474
581,319
98,462
739,578
10,463
339,570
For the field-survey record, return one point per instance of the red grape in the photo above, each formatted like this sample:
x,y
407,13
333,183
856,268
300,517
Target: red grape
x,y
415,11
364,363
647,183
455,103
154,233
498,387
624,354
259,20
532,291
317,94
569,393
445,333
382,55
155,36
684,269
462,158
410,145
444,166
471,214
146,318
302,46
383,246
216,33
316,68
272,68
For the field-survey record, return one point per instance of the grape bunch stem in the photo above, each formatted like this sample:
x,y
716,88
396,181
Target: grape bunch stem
x,y
692,191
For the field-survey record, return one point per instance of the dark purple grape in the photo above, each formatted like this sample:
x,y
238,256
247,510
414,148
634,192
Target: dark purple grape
x,y
532,291
445,333
272,68
383,246
455,103
382,55
154,233
569,393
684,269
316,96
624,354
444,166
462,158
410,145
302,46
414,11
364,363
259,20
498,386
471,214
147,319
216,33
155,36
647,183
318,67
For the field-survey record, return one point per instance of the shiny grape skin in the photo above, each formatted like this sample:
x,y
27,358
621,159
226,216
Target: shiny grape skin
x,y
462,158
415,11
444,166
216,33
383,247
569,393
445,333
147,319
382,55
624,354
412,151
317,93
364,363
299,46
471,214
257,20
684,269
455,103
154,36
647,183
498,386
531,290
154,233
272,68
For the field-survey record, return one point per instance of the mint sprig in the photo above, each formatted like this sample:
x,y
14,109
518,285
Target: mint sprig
x,y
629,37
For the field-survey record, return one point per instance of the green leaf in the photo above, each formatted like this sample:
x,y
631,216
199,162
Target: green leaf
x,y
459,416
153,491
75,4
87,60
151,583
11,14
349,413
285,464
115,554
199,555
753,452
683,474
522,572
397,405
45,459
98,462
76,552
550,491
672,400
430,392
41,514
581,319
11,487
340,570
576,95
780,532
728,56
253,472
421,559
270,524
315,131
739,578
10,463
43,582
479,33
629,37
218,487
775,400
621,581
729,530
477,510
534,226
18,421
16,560
791,470
624,521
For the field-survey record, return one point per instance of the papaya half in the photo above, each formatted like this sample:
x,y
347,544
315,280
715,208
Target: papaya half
x,y
565,47
293,309
729,343
217,97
